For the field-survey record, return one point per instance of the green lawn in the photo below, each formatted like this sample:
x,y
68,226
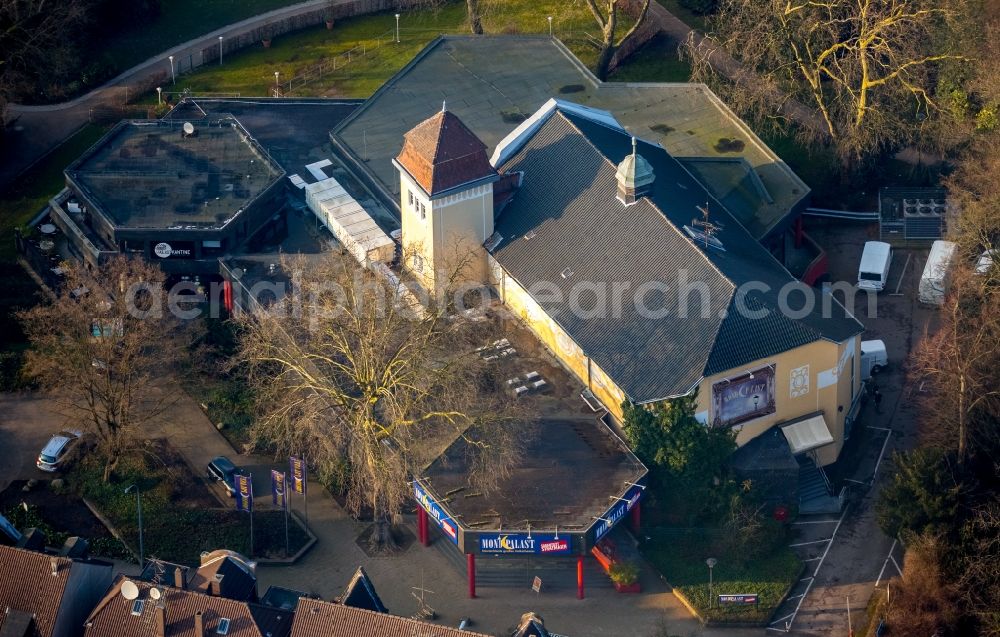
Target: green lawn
x,y
18,204
655,62
251,71
179,21
31,191
180,518
680,558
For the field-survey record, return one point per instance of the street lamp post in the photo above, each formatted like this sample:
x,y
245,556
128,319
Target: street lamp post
x,y
138,508
277,84
550,26
711,562
220,50
397,28
159,96
173,78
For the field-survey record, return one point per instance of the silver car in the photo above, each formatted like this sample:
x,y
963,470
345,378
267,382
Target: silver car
x,y
56,450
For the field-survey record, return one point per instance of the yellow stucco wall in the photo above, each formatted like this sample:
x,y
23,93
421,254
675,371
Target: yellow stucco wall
x,y
826,365
451,233
826,362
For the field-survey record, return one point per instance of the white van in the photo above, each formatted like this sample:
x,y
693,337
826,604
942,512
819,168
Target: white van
x,y
874,269
873,358
934,280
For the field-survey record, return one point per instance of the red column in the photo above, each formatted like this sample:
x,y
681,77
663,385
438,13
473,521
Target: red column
x,y
636,517
471,567
422,534
798,231
579,577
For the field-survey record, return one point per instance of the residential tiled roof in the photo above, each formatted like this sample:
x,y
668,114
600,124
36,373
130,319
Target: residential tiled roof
x,y
580,232
226,574
113,616
360,593
441,153
316,618
29,586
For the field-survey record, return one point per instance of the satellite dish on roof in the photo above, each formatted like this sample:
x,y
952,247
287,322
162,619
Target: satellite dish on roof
x,y
188,128
155,593
130,590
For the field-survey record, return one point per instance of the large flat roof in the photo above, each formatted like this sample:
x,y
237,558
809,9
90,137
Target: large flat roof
x,y
569,473
493,82
294,131
150,174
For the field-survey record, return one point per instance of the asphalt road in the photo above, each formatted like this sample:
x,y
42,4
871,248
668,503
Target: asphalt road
x,y
26,424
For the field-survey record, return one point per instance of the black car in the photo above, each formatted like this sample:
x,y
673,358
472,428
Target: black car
x,y
223,470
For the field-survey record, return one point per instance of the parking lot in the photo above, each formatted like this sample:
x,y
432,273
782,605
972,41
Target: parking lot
x,y
26,424
846,555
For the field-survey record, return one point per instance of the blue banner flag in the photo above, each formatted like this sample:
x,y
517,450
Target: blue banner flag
x,y
244,493
297,469
278,497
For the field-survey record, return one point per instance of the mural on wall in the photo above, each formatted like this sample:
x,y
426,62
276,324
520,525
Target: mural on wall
x,y
741,398
798,381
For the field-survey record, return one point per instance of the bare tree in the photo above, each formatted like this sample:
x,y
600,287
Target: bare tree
x,y
923,601
101,351
979,570
958,363
865,66
475,17
974,188
373,387
33,32
607,20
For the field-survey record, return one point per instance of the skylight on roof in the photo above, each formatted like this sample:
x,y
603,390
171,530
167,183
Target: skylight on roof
x,y
137,606
223,627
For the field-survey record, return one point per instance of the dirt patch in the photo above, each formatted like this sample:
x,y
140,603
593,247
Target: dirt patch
x,y
56,508
400,535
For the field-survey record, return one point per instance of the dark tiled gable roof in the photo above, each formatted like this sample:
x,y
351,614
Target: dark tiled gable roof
x,y
316,618
29,586
441,153
568,200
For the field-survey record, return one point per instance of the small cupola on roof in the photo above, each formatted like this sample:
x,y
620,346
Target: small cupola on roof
x,y
635,177
442,154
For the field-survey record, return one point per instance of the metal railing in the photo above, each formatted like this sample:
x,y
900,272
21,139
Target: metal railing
x,y
326,66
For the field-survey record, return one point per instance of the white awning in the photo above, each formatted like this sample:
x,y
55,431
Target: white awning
x,y
807,434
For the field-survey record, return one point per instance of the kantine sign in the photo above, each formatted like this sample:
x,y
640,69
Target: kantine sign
x,y
742,398
617,512
534,543
437,513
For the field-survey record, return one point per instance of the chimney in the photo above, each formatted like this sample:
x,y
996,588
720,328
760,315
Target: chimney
x,y
54,563
199,624
160,620
179,580
215,585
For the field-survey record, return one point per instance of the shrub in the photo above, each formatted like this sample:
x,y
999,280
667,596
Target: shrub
x,y
624,573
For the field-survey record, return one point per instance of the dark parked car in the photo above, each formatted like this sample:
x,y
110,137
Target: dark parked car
x,y
223,470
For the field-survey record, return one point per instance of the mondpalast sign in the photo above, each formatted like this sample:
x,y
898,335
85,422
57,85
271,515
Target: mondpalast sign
x,y
436,512
742,398
537,543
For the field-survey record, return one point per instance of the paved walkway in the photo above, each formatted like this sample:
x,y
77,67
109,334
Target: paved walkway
x,y
40,129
